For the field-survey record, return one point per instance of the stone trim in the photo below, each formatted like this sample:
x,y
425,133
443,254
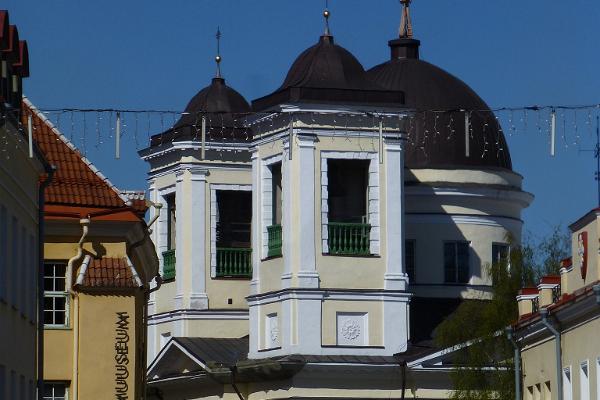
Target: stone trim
x,y
373,194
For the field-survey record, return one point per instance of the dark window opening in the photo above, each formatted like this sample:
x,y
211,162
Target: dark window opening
x,y
171,222
276,192
349,231
456,262
234,252
274,232
409,259
235,217
348,182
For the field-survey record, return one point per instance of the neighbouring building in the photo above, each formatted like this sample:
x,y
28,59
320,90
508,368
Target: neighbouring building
x,y
98,262
559,321
311,242
20,174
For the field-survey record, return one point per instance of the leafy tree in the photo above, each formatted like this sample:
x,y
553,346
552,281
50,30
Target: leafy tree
x,y
484,369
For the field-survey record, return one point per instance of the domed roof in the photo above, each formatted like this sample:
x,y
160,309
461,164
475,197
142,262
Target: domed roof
x,y
328,73
437,139
223,108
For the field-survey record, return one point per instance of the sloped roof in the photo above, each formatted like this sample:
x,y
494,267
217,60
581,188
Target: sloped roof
x,y
77,182
109,273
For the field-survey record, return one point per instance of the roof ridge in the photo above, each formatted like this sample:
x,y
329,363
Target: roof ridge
x,y
39,114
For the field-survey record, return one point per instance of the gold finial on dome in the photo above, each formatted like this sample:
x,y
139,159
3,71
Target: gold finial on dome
x,y
326,15
218,58
406,30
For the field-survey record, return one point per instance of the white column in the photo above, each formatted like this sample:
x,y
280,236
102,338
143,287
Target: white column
x,y
395,276
305,230
199,248
179,236
256,223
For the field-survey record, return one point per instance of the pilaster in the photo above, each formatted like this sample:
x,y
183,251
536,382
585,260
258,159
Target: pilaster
x,y
395,276
304,228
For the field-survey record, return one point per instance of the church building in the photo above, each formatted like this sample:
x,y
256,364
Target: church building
x,y
311,241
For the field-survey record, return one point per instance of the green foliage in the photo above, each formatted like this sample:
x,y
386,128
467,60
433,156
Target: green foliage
x,y
484,369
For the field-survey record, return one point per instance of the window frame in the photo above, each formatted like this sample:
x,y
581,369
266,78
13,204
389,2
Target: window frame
x,y
56,294
457,268
53,384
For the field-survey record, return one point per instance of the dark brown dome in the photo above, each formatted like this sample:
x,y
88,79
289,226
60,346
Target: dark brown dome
x,y
224,109
427,87
328,73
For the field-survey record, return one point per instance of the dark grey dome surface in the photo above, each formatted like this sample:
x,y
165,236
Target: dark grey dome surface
x,y
427,87
328,73
223,108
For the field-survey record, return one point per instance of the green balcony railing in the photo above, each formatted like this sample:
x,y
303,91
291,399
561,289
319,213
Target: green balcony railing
x,y
234,263
169,264
274,233
351,239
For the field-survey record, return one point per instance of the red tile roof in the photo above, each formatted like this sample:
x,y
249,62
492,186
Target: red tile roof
x,y
76,181
109,273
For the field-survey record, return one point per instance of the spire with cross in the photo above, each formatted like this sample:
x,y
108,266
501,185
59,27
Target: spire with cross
x,y
218,56
406,30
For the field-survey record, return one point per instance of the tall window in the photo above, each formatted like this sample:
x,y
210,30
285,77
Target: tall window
x,y
409,258
584,381
3,251
15,263
567,384
456,262
500,253
500,259
171,222
276,192
55,391
348,182
2,381
55,295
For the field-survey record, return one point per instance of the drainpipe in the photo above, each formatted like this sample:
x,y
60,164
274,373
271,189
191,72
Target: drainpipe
x,y
517,358
85,223
556,333
40,281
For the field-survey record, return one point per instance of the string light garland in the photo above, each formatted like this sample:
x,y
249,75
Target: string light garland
x,y
424,127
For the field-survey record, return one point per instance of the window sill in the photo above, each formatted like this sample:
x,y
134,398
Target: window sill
x,y
271,258
232,278
57,328
351,255
269,349
347,346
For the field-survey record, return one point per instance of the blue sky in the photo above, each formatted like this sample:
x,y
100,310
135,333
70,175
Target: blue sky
x,y
156,55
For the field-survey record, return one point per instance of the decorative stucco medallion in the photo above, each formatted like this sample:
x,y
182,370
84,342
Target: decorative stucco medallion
x,y
351,329
274,334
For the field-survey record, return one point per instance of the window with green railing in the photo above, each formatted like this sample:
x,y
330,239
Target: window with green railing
x,y
352,239
234,253
234,263
275,241
169,264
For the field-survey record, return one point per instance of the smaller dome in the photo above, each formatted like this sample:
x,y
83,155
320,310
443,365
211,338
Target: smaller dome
x,y
224,109
328,73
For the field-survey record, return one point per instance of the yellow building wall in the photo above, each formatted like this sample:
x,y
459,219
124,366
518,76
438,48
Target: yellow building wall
x,y
94,317
578,345
101,345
